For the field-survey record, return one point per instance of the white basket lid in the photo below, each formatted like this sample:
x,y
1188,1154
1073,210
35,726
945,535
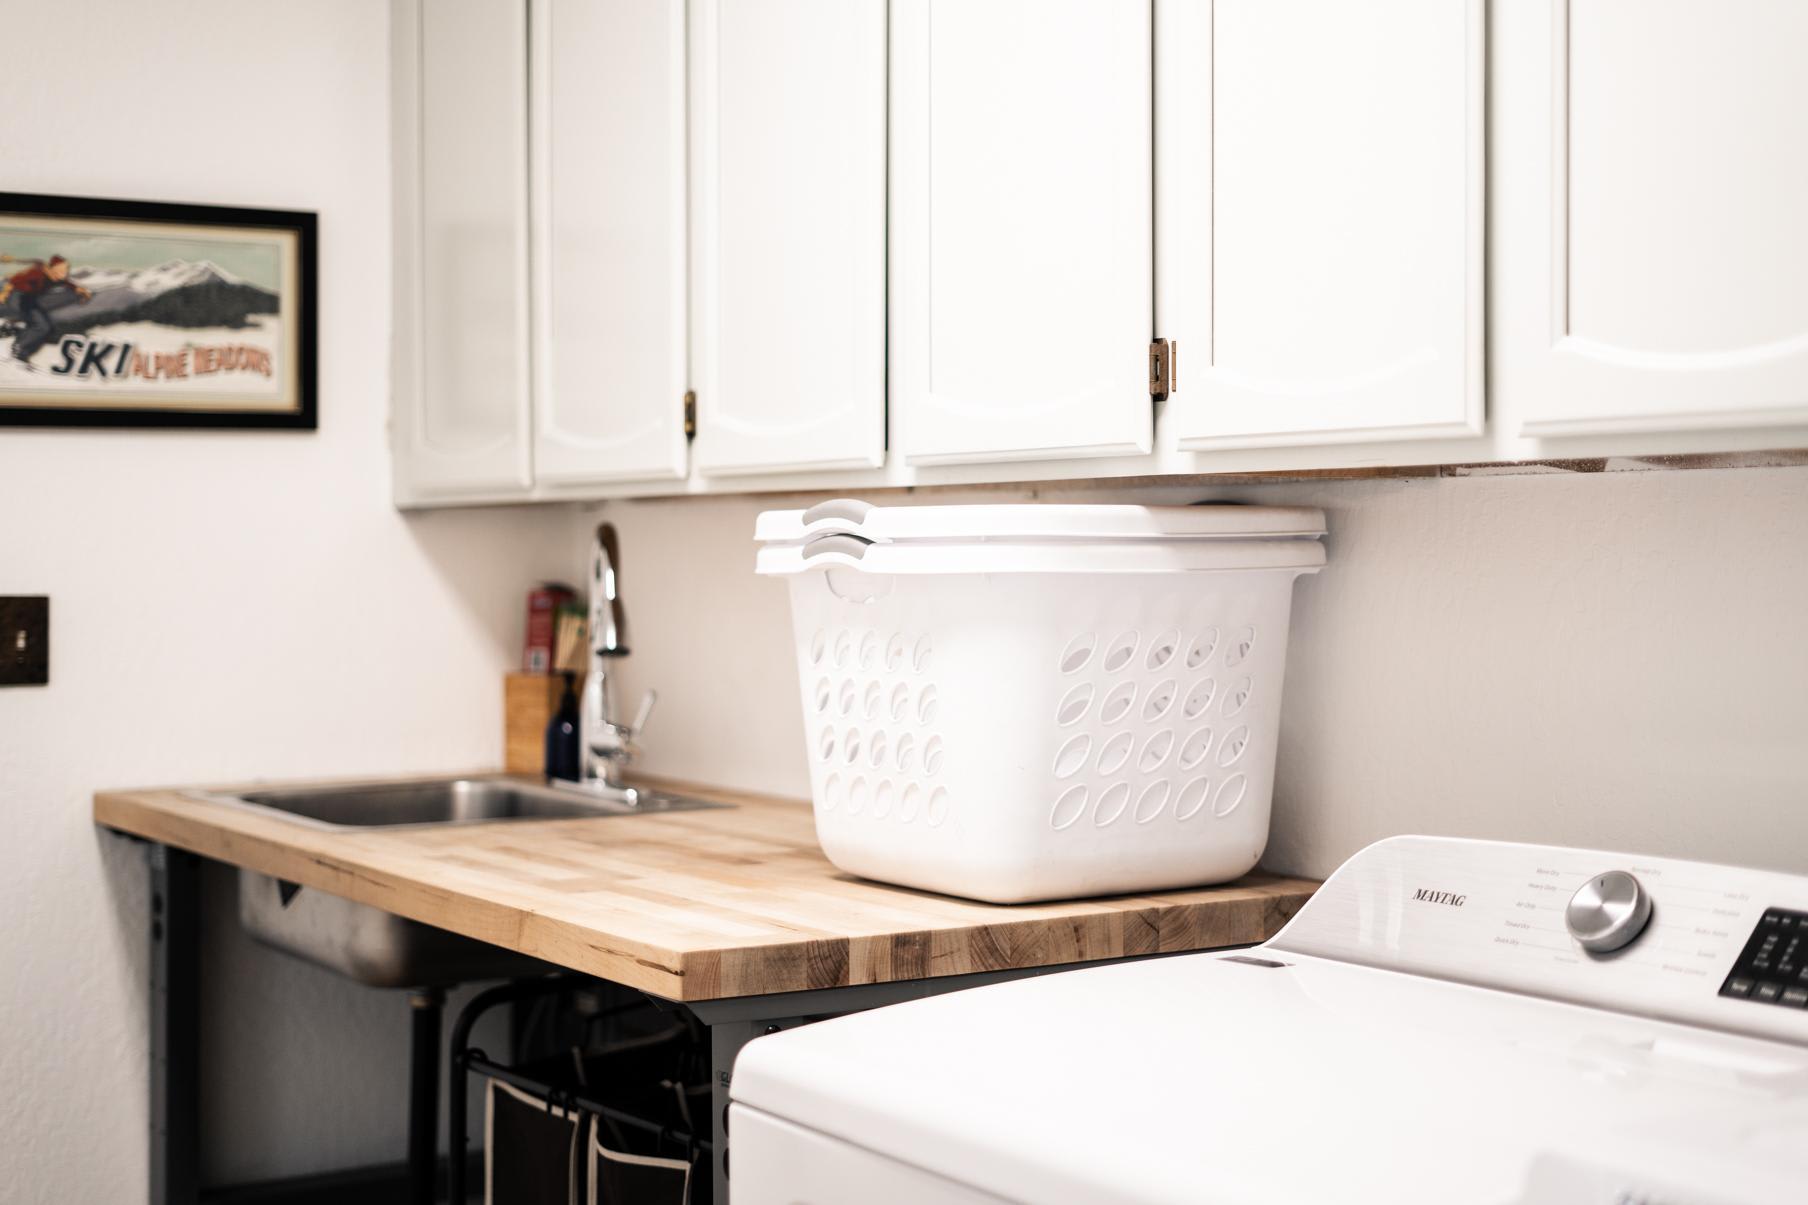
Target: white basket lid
x,y
839,550
1039,539
1034,522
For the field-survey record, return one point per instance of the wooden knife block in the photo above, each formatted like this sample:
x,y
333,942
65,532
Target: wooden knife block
x,y
529,701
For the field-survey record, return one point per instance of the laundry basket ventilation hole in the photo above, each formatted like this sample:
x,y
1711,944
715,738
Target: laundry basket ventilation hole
x,y
1112,803
1155,751
1121,651
1195,749
1070,757
1153,801
1202,648
1078,652
1118,703
1230,794
1115,753
1074,705
1199,698
1069,807
1192,798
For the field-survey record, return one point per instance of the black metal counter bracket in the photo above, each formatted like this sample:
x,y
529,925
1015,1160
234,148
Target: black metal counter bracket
x,y
175,1026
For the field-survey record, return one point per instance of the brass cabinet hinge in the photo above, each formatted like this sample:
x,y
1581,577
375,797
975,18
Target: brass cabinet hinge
x,y
690,414
1164,367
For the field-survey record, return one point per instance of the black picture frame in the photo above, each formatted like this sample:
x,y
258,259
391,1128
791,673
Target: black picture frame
x,y
303,224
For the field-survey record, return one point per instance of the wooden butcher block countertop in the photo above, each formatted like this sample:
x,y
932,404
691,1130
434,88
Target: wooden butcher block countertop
x,y
694,905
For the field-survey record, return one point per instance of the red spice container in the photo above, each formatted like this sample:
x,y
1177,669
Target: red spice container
x,y
543,604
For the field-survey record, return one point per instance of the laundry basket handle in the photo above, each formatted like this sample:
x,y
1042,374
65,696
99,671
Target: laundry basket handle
x,y
840,542
851,509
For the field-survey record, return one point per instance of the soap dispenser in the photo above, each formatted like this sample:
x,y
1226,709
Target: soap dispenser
x,y
564,744
564,758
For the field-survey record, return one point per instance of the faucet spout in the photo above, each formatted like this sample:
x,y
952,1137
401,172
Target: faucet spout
x,y
608,622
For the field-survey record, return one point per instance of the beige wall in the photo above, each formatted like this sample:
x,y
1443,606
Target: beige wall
x,y
1615,660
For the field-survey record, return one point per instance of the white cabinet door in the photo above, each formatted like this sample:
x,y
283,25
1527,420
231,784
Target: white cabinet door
x,y
1319,231
1020,228
788,234
608,105
461,372
1662,196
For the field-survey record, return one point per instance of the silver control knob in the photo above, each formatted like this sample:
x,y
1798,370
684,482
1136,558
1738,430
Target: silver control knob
x,y
1607,912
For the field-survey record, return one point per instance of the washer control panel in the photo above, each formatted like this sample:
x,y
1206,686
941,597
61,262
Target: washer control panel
x,y
1773,966
1655,937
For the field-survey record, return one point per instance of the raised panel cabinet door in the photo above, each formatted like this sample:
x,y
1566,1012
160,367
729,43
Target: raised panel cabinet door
x,y
788,234
608,89
461,421
1020,229
1319,227
1669,210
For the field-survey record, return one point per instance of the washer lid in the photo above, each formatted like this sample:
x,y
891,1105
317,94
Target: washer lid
x,y
1038,522
1279,1078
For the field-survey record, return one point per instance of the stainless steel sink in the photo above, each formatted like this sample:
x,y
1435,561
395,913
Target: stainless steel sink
x,y
376,947
440,801
367,944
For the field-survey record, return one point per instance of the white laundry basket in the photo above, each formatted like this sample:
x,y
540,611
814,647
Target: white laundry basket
x,y
1033,702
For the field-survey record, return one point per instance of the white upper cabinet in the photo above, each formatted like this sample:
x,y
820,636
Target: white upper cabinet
x,y
608,106
461,361
1020,228
1659,153
788,234
868,240
1319,253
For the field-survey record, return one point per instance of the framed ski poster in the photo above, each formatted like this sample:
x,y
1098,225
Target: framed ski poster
x,y
141,314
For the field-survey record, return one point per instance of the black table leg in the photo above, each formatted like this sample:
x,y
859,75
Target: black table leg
x,y
426,1007
175,1026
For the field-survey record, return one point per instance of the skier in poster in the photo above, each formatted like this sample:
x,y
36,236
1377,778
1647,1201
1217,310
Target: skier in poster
x,y
29,287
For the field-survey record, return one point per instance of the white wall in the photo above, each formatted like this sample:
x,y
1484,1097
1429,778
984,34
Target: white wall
x,y
1615,660
222,605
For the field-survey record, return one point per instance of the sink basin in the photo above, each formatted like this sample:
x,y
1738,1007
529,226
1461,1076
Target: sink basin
x,y
366,944
376,947
452,801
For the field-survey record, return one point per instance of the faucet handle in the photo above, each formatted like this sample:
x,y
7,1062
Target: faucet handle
x,y
646,710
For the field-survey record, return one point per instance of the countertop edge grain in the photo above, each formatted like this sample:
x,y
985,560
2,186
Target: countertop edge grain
x,y
329,862
953,936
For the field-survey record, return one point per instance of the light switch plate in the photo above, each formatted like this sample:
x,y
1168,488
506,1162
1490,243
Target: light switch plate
x,y
24,640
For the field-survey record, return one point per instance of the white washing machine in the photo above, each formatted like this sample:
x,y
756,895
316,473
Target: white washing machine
x,y
1445,1021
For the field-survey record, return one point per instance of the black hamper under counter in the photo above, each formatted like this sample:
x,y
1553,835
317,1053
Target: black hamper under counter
x,y
608,1118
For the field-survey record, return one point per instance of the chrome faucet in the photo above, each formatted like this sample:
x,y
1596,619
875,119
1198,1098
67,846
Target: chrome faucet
x,y
608,745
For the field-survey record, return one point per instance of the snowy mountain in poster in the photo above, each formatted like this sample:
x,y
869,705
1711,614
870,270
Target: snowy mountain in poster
x,y
179,293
